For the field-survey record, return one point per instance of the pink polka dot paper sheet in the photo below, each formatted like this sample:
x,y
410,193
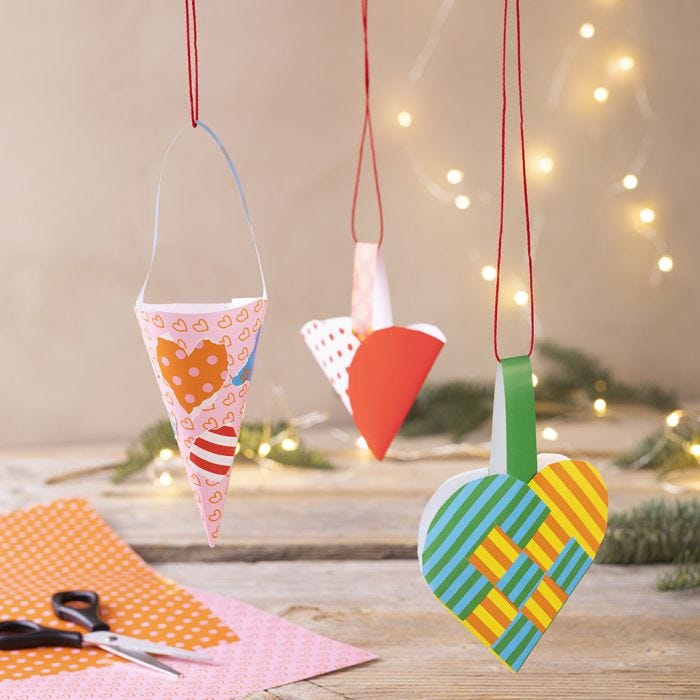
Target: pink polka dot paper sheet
x,y
271,652
264,652
203,357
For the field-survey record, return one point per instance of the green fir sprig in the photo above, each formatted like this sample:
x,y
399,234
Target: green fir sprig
x,y
160,436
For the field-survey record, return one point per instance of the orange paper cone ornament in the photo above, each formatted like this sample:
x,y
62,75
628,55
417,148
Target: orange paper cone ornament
x,y
376,368
203,357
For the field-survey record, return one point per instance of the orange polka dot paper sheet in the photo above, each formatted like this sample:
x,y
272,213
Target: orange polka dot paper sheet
x,y
65,545
203,357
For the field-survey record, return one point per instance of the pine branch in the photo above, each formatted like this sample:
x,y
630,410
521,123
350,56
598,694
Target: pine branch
x,y
653,533
160,436
682,578
456,407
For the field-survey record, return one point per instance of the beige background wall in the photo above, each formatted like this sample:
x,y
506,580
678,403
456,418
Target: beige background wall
x,y
93,91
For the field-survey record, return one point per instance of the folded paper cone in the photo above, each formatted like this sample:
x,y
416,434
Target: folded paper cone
x,y
377,379
203,356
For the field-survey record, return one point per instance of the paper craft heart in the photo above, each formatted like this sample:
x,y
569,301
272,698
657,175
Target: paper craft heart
x,y
195,377
213,451
379,378
503,556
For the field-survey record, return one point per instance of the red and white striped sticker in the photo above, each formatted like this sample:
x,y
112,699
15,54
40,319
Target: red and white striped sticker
x,y
212,452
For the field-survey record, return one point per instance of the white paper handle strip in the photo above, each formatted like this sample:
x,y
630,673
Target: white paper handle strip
x,y
241,194
371,303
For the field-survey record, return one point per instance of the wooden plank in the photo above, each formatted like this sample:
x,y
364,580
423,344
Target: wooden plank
x,y
617,637
361,510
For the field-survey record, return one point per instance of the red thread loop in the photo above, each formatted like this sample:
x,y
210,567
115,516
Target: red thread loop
x,y
524,174
366,131
192,49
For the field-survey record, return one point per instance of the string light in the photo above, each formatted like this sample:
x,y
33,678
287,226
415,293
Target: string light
x,y
488,272
665,263
535,380
165,454
626,63
601,94
647,215
521,297
586,30
361,443
550,433
673,419
600,406
462,201
289,444
545,164
264,449
694,450
165,479
629,181
405,119
454,176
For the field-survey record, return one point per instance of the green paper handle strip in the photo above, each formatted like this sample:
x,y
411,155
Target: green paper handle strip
x,y
513,440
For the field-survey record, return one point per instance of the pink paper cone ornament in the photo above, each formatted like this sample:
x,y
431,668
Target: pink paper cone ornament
x,y
375,367
203,356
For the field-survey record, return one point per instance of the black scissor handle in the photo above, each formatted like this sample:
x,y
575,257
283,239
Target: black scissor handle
x,y
23,634
86,615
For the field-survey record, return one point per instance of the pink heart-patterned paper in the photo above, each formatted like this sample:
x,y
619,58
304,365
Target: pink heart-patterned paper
x,y
203,361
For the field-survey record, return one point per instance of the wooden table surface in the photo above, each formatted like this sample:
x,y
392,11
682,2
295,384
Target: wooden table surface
x,y
335,552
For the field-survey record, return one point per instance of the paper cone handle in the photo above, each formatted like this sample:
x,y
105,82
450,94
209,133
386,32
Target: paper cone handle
x,y
513,433
241,194
371,304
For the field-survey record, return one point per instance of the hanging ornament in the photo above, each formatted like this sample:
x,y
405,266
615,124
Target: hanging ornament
x,y
203,355
503,547
376,367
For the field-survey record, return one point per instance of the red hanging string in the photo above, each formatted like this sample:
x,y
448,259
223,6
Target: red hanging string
x,y
366,131
192,71
524,174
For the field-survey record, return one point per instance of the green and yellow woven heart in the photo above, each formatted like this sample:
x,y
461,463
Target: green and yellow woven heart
x,y
504,552
503,556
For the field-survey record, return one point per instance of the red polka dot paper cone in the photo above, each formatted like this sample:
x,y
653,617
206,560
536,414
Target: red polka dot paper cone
x,y
375,367
203,357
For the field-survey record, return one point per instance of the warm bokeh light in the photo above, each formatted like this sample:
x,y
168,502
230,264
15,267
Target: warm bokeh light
x,y
462,201
361,443
545,164
601,94
289,444
264,449
600,406
647,215
454,176
550,433
535,380
521,297
665,263
626,63
586,30
673,419
165,479
488,272
629,181
694,450
165,454
405,119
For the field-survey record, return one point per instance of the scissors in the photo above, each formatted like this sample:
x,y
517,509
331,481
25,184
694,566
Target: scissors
x,y
82,608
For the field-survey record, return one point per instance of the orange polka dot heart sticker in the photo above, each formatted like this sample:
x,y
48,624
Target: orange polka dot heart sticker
x,y
203,357
375,367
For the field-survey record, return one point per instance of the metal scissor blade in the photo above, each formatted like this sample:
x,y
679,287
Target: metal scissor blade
x,y
142,658
143,645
